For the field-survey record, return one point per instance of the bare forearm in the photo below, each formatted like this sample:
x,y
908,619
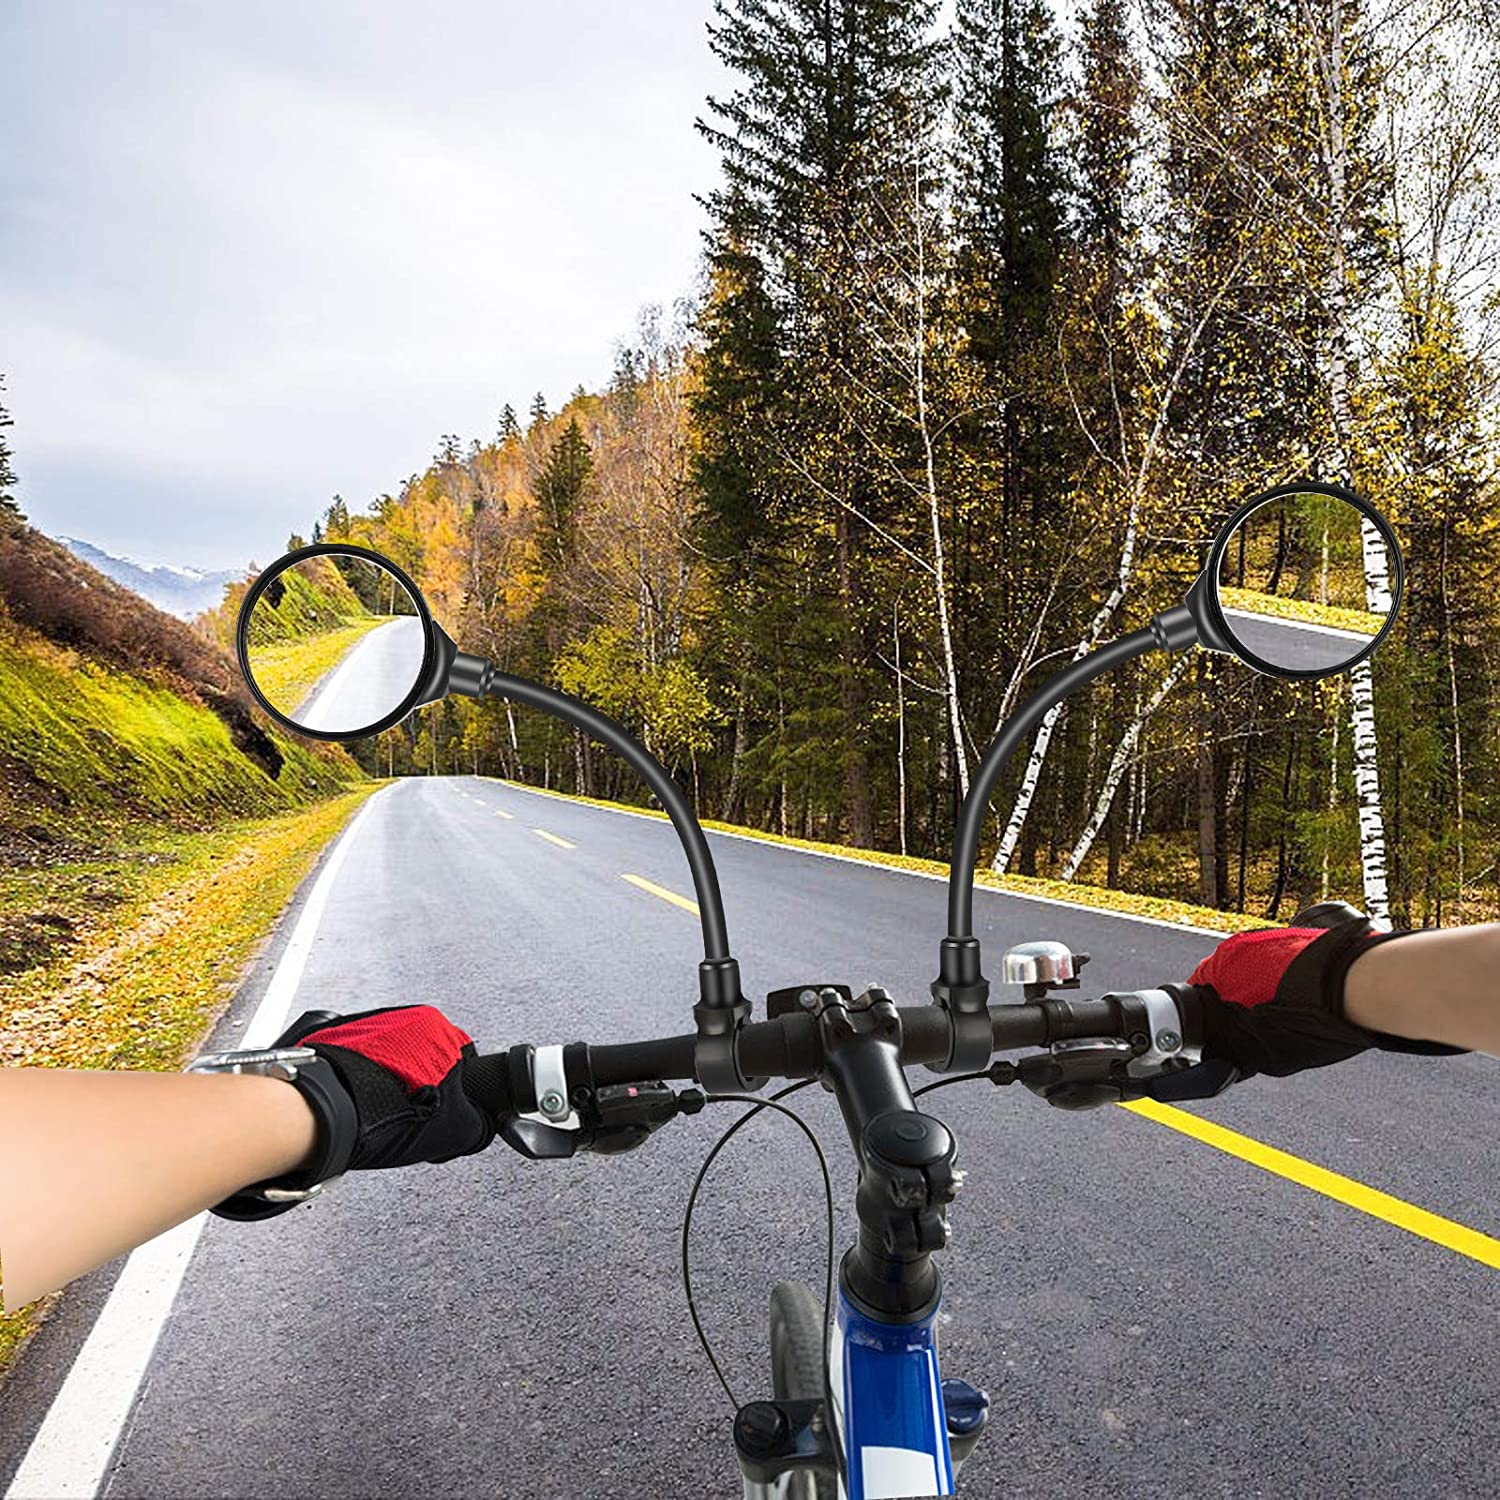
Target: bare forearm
x,y
95,1163
1439,986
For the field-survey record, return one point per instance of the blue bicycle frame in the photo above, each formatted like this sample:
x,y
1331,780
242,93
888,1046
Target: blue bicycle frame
x,y
889,1406
892,1411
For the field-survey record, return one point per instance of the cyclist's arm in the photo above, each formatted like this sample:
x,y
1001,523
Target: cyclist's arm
x,y
1437,986
95,1163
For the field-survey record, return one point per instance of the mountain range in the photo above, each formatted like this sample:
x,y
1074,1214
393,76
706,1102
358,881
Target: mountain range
x,y
183,592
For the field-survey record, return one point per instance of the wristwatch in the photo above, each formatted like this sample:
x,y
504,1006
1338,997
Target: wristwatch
x,y
338,1125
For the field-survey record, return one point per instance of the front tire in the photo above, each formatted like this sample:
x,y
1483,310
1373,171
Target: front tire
x,y
797,1368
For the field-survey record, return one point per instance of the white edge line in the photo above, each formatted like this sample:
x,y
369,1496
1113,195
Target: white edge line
x,y
71,1451
875,864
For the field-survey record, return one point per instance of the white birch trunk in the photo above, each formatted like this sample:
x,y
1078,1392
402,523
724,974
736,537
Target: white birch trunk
x,y
1377,567
515,742
1039,747
900,728
1367,791
1363,737
924,425
1117,768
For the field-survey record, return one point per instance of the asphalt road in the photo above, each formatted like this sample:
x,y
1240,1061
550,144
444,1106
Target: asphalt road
x,y
1290,643
377,672
1151,1317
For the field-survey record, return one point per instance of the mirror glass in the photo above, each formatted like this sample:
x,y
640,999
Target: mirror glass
x,y
335,643
1305,584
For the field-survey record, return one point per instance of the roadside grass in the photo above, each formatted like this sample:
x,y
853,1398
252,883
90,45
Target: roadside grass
x,y
288,671
1304,611
1160,908
154,930
84,742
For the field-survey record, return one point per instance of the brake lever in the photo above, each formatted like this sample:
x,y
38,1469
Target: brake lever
x,y
615,1118
537,1141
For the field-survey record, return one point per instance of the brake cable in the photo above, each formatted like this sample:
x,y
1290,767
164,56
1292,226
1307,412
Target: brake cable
x,y
687,1222
943,1083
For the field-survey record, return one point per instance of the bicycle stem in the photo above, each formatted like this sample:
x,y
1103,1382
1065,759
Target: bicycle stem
x,y
906,1173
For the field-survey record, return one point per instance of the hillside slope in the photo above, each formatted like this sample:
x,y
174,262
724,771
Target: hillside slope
x,y
110,709
122,733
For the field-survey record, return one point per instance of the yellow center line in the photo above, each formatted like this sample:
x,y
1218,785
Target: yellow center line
x,y
641,883
1458,1238
552,838
500,812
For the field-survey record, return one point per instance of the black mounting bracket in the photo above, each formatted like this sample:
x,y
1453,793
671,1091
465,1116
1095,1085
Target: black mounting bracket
x,y
962,990
720,1012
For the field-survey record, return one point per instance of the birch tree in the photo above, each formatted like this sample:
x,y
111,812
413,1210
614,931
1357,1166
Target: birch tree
x,y
1124,752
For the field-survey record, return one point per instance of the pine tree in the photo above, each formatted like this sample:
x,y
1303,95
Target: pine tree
x,y
510,427
735,400
806,140
539,412
1107,144
8,503
1009,186
560,487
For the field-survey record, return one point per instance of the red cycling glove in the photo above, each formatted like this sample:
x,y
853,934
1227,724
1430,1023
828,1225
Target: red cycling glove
x,y
407,1069
391,1087
1273,1002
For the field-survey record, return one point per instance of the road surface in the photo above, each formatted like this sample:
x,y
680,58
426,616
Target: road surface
x,y
1151,1316
1293,643
371,680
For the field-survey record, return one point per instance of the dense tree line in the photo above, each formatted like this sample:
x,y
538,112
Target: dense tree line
x,y
997,322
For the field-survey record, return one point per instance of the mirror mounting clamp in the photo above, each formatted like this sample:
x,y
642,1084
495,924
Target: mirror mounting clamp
x,y
963,992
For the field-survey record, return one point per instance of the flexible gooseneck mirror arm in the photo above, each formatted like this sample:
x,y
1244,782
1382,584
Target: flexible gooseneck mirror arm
x,y
971,815
475,677
961,987
722,1008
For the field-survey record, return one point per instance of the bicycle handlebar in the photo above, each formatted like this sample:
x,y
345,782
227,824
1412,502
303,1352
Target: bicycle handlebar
x,y
554,1101
790,1046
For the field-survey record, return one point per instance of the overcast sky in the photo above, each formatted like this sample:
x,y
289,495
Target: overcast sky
x,y
255,253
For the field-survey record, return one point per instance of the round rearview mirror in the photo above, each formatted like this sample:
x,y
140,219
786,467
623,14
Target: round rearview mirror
x,y
336,642
1304,580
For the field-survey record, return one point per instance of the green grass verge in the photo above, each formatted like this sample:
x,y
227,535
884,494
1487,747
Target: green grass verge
x,y
83,741
1160,908
288,671
161,927
1364,622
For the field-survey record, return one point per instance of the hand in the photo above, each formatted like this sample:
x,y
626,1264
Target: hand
x,y
1273,1002
397,1086
407,1070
